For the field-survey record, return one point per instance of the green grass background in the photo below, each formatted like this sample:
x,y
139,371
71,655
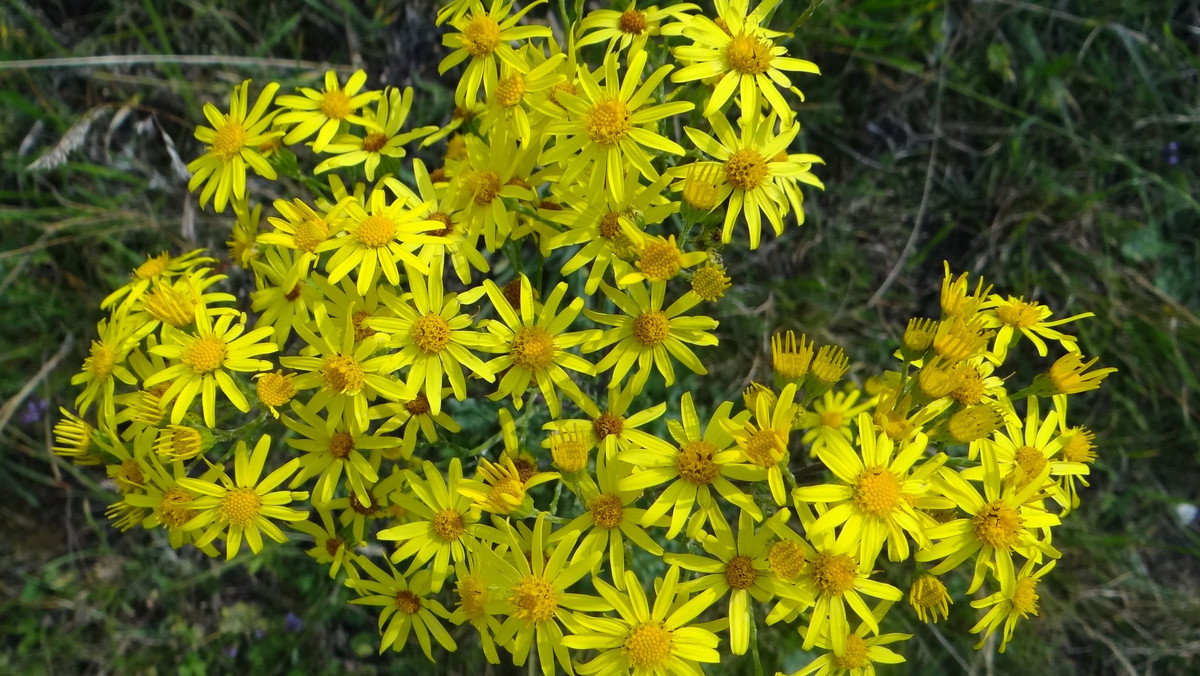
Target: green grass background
x,y
1049,146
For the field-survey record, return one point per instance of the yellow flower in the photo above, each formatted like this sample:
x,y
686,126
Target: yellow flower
x,y
710,282
1077,446
383,139
763,441
929,597
999,523
479,191
607,226
243,238
303,228
500,489
1011,315
444,526
243,506
174,302
329,547
790,359
329,451
743,55
167,503
479,602
613,430
611,126
536,596
284,297
203,360
873,500
648,640
375,242
831,416
463,253
507,102
104,365
957,300
860,654
660,259
834,578
629,29
232,143
648,336
1069,375
739,567
408,607
434,339
754,162
323,112
1017,599
344,371
610,517
701,463
485,37
155,268
75,438
416,416
534,347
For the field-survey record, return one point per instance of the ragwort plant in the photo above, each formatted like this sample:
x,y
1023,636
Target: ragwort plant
x,y
642,145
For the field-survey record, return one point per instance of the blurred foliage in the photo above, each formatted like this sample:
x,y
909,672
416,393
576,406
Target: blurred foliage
x,y
1051,148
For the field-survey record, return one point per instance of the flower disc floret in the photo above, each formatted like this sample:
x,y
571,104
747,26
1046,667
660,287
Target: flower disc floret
x,y
694,462
206,353
511,90
486,187
340,445
431,333
608,122
607,425
343,374
607,511
651,328
533,348
481,36
448,524
746,169
1031,461
740,573
835,574
877,491
855,656
998,525
786,559
376,230
648,645
534,600
241,506
229,140
408,602
749,55
660,260
632,21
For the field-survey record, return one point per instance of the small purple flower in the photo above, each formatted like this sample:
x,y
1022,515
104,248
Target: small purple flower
x,y
231,651
33,411
258,634
292,623
1171,153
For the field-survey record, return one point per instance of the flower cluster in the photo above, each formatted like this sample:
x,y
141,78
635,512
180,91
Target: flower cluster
x,y
392,293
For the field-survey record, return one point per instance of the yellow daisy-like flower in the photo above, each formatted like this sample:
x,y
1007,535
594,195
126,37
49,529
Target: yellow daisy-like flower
x,y
203,361
416,416
434,338
1000,522
463,252
344,371
155,268
957,299
763,440
375,241
701,463
75,438
284,297
485,38
1016,600
303,228
243,238
323,112
630,28
534,347
608,227
610,517
611,126
233,142
873,500
174,302
329,547
104,365
244,505
754,161
929,598
383,139
613,430
648,336
1023,450
537,597
660,259
835,579
1077,446
743,54
645,639
832,415
445,523
1012,315
480,190
507,103
500,488
740,567
479,602
860,655
328,453
408,607
168,504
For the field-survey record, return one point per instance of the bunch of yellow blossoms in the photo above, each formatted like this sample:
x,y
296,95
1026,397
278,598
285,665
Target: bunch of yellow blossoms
x,y
377,307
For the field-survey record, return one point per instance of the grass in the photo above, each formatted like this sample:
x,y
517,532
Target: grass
x,y
1049,150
